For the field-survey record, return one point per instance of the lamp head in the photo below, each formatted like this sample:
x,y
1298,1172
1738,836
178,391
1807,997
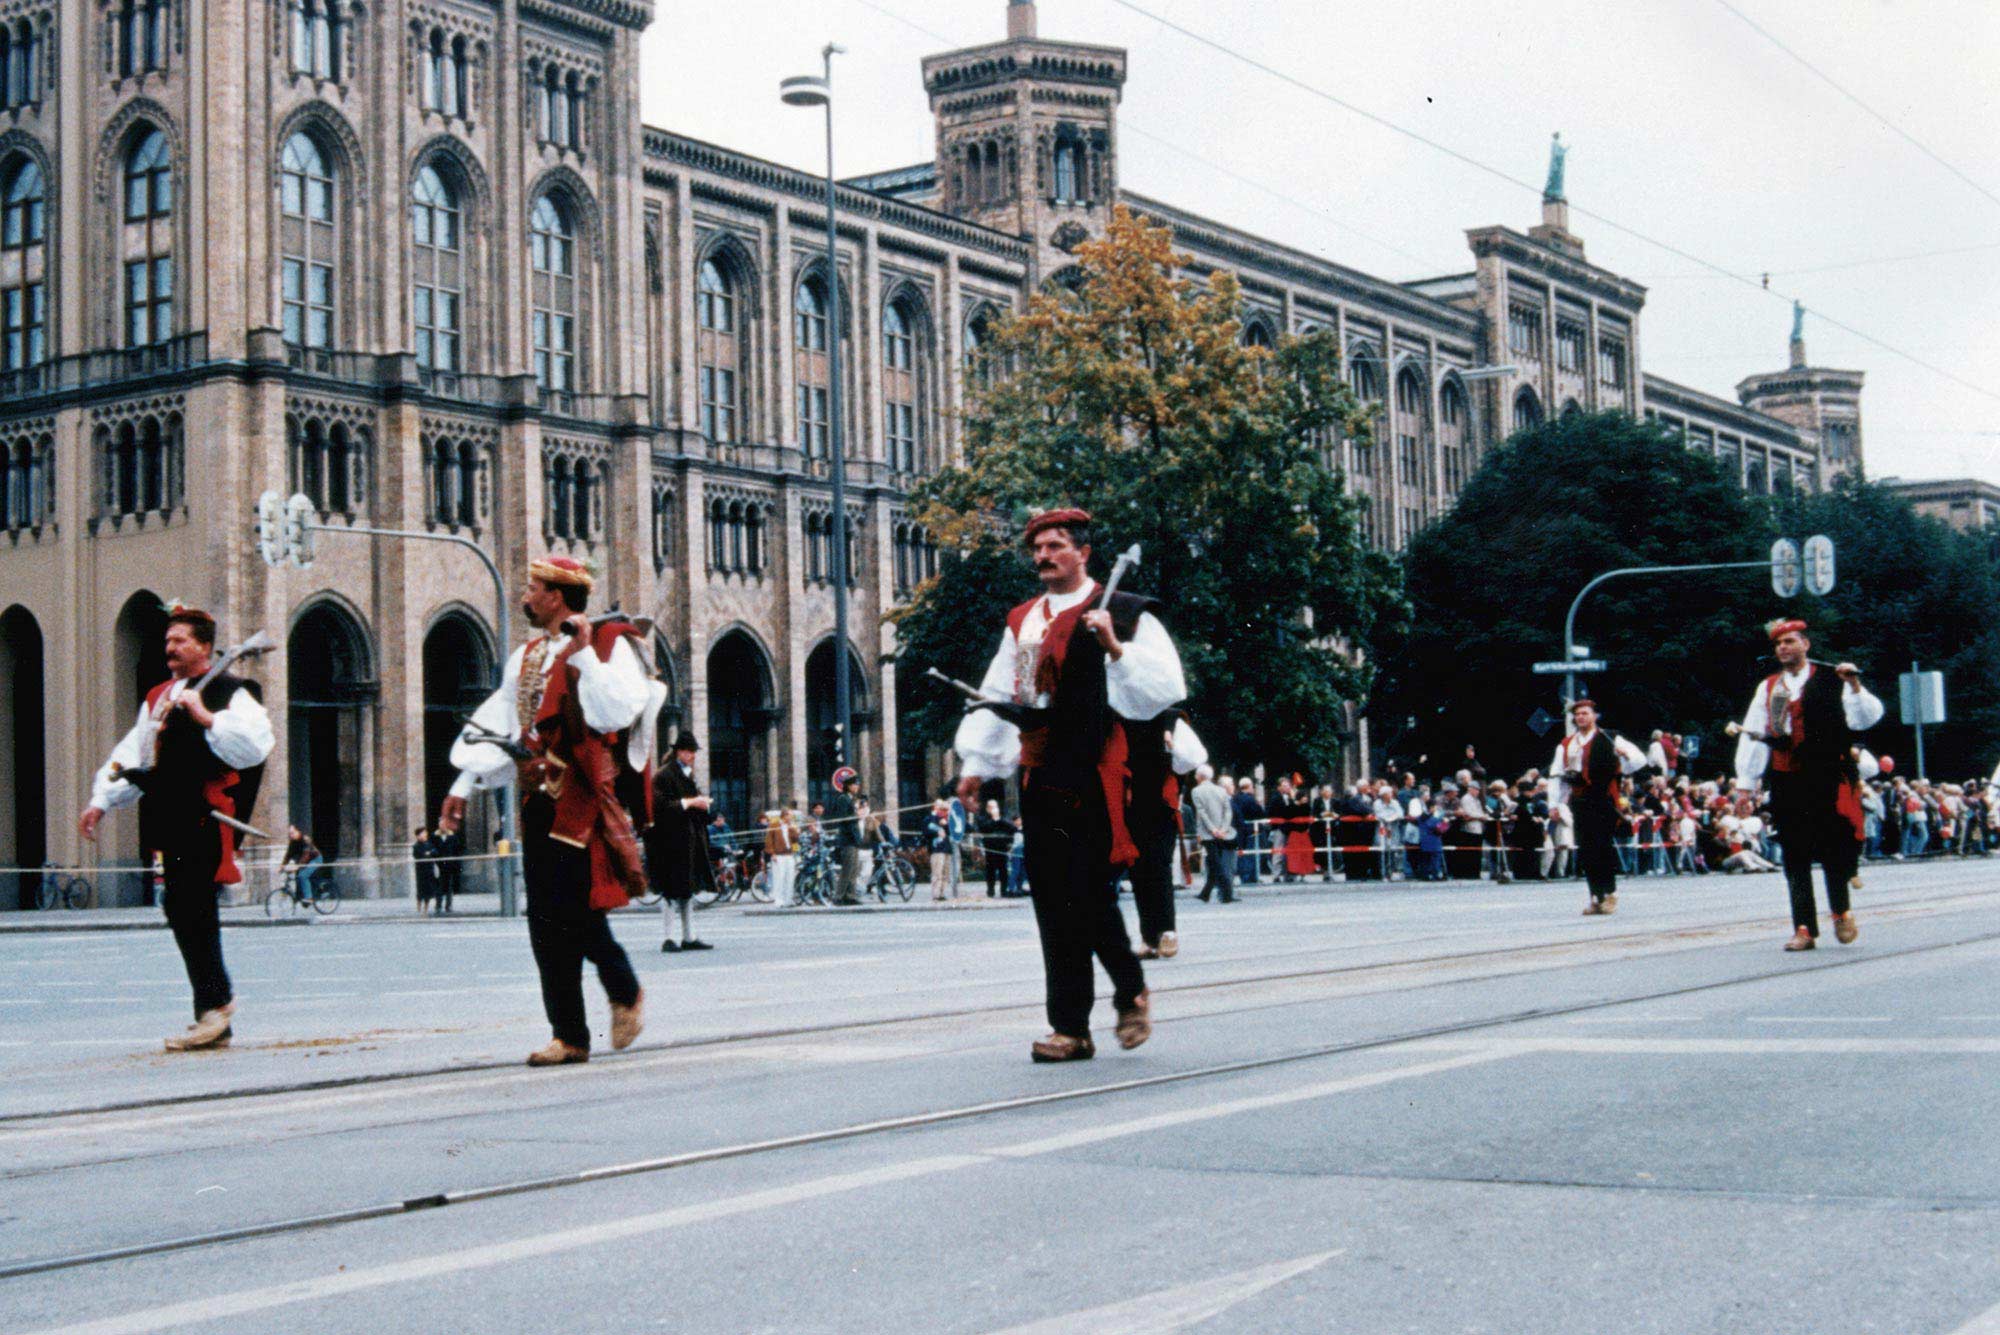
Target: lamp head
x,y
806,90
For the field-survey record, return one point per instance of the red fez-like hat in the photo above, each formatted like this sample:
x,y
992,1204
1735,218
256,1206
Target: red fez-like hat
x,y
562,570
1070,517
1575,705
1784,626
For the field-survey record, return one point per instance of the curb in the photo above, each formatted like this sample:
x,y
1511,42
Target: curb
x,y
846,910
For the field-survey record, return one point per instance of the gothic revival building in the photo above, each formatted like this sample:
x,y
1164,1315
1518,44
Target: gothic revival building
x,y
420,261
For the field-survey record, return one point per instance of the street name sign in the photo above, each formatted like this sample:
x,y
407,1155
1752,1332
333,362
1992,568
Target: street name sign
x,y
1579,666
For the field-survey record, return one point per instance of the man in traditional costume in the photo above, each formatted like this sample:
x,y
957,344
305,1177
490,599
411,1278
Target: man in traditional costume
x,y
1070,671
1588,770
191,756
1798,738
577,699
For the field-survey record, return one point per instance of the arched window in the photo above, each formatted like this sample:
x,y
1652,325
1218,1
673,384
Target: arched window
x,y
573,112
1069,173
583,499
552,319
471,496
809,332
996,184
1411,415
444,74
23,265
718,352
558,500
20,65
1527,410
316,34
437,274
148,240
456,101
306,241
905,376
1452,422
444,482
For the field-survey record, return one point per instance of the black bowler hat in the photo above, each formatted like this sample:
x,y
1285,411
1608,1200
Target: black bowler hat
x,y
686,742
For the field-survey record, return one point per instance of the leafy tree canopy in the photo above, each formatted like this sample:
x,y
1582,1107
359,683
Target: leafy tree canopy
x,y
1489,585
1133,395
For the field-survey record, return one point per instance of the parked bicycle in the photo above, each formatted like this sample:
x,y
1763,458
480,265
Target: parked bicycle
x,y
892,875
738,875
818,880
317,891
59,888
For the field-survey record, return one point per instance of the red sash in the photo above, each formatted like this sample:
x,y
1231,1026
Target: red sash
x,y
217,792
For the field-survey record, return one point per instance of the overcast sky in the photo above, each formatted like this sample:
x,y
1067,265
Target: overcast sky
x,y
1684,124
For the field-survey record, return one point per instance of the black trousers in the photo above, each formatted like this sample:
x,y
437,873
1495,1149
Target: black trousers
x,y
1221,859
1068,850
1811,829
563,930
1153,881
189,903
1596,848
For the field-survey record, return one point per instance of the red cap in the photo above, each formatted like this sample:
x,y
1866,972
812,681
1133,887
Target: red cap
x,y
1070,517
1575,705
561,570
1784,626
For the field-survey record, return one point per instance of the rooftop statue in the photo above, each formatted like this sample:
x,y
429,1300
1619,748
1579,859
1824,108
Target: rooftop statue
x,y
1557,152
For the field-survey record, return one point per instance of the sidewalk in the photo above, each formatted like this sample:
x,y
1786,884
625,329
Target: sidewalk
x,y
235,915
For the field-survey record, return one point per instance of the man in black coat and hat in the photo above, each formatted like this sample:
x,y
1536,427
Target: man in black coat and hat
x,y
677,844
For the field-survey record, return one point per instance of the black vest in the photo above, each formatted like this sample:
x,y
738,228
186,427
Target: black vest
x,y
1825,754
1079,712
173,804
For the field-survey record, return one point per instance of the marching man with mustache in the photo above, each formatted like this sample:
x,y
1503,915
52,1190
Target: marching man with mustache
x,y
1082,669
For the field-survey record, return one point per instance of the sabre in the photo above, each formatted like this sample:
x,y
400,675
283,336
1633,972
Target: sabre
x,y
972,693
243,826
513,746
141,776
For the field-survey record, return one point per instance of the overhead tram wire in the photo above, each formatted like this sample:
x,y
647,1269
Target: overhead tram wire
x,y
1487,169
1837,87
1128,126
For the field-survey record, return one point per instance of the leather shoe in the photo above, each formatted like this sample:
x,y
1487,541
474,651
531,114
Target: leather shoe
x,y
1611,903
207,1032
1845,929
696,945
1801,940
558,1053
1594,908
1062,1048
1135,1022
670,947
626,1022
1146,953
1170,945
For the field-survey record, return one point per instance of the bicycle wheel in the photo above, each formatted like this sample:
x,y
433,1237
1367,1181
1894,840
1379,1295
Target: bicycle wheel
x,y
704,898
903,879
325,898
77,893
760,886
47,893
278,904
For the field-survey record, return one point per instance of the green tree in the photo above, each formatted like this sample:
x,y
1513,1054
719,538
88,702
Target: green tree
x,y
1490,582
1909,588
1134,395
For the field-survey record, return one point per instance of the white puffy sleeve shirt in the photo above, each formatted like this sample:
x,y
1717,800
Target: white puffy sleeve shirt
x,y
240,737
1862,709
1144,682
613,696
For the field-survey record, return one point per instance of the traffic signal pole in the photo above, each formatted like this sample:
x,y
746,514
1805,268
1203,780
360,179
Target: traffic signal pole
x,y
1569,622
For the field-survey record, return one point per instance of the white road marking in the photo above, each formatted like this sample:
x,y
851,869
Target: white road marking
x,y
1634,1019
1177,1308
597,1236
1986,1323
1698,1047
1818,1019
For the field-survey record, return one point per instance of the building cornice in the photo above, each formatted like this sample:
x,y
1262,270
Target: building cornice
x,y
664,148
1511,246
1260,257
1662,393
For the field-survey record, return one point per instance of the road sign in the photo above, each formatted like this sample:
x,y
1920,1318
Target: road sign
x,y
1541,721
1578,665
299,515
1922,697
1785,568
1819,565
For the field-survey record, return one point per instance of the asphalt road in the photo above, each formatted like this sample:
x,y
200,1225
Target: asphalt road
x,y
1393,1109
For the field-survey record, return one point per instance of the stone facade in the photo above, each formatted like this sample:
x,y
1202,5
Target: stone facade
x,y
420,261
1966,503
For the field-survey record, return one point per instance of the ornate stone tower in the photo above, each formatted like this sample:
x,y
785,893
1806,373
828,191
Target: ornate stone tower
x,y
1027,136
1821,402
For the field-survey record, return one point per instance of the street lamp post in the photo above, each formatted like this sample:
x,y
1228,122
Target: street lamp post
x,y
817,91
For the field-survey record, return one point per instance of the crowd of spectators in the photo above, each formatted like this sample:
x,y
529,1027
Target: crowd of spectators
x,y
1467,825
